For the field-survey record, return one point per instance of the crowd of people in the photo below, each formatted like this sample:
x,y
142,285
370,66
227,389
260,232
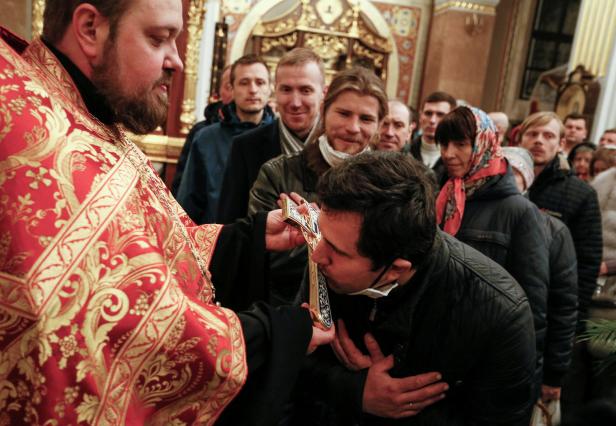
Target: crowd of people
x,y
463,260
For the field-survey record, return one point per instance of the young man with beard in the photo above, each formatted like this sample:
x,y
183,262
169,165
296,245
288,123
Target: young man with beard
x,y
429,331
106,286
396,128
352,109
299,89
558,192
199,190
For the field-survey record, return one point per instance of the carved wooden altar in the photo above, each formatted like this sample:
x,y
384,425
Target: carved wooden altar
x,y
335,29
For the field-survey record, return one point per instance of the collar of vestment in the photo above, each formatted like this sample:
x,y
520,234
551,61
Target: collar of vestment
x,y
93,100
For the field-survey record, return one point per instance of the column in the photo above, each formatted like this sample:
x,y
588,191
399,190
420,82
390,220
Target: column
x,y
459,48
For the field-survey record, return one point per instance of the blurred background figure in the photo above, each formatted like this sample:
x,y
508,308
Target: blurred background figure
x,y
603,159
580,158
396,128
501,121
576,131
608,137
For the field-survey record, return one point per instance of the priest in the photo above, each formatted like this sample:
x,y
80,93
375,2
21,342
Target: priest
x,y
108,310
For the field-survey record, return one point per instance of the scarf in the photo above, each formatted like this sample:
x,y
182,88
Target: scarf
x,y
289,142
333,157
486,161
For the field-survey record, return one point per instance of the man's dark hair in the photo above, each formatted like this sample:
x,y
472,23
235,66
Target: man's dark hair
x,y
59,13
576,116
248,60
460,124
395,198
440,97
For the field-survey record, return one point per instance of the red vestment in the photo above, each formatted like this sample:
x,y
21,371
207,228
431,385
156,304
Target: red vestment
x,y
106,313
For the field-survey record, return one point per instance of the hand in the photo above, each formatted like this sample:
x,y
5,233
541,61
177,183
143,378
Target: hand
x,y
603,269
349,355
385,396
319,335
549,393
279,235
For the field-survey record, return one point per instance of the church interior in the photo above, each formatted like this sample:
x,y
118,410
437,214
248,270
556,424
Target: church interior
x,y
514,56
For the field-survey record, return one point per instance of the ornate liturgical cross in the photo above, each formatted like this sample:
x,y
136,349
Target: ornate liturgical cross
x,y
308,223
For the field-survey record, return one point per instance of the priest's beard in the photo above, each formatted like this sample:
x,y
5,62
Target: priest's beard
x,y
142,109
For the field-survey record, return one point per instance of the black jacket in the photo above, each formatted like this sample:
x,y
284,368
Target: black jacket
x,y
502,224
562,302
461,315
562,195
248,153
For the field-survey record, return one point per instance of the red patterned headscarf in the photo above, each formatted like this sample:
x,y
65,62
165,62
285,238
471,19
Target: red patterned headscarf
x,y
486,160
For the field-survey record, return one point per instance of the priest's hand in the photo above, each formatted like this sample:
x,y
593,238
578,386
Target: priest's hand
x,y
319,335
385,396
279,235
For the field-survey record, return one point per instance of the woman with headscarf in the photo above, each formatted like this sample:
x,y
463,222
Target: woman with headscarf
x,y
480,205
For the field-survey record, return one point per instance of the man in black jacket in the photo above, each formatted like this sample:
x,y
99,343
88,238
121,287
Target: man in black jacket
x,y
440,316
300,83
561,194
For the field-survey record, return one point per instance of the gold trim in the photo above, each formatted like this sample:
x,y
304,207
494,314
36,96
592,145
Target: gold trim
x,y
465,6
196,17
38,7
159,148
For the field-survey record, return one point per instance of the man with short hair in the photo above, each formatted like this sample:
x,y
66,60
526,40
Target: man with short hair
x,y
576,131
424,148
106,296
199,191
427,326
396,128
212,114
501,121
299,89
558,192
608,137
